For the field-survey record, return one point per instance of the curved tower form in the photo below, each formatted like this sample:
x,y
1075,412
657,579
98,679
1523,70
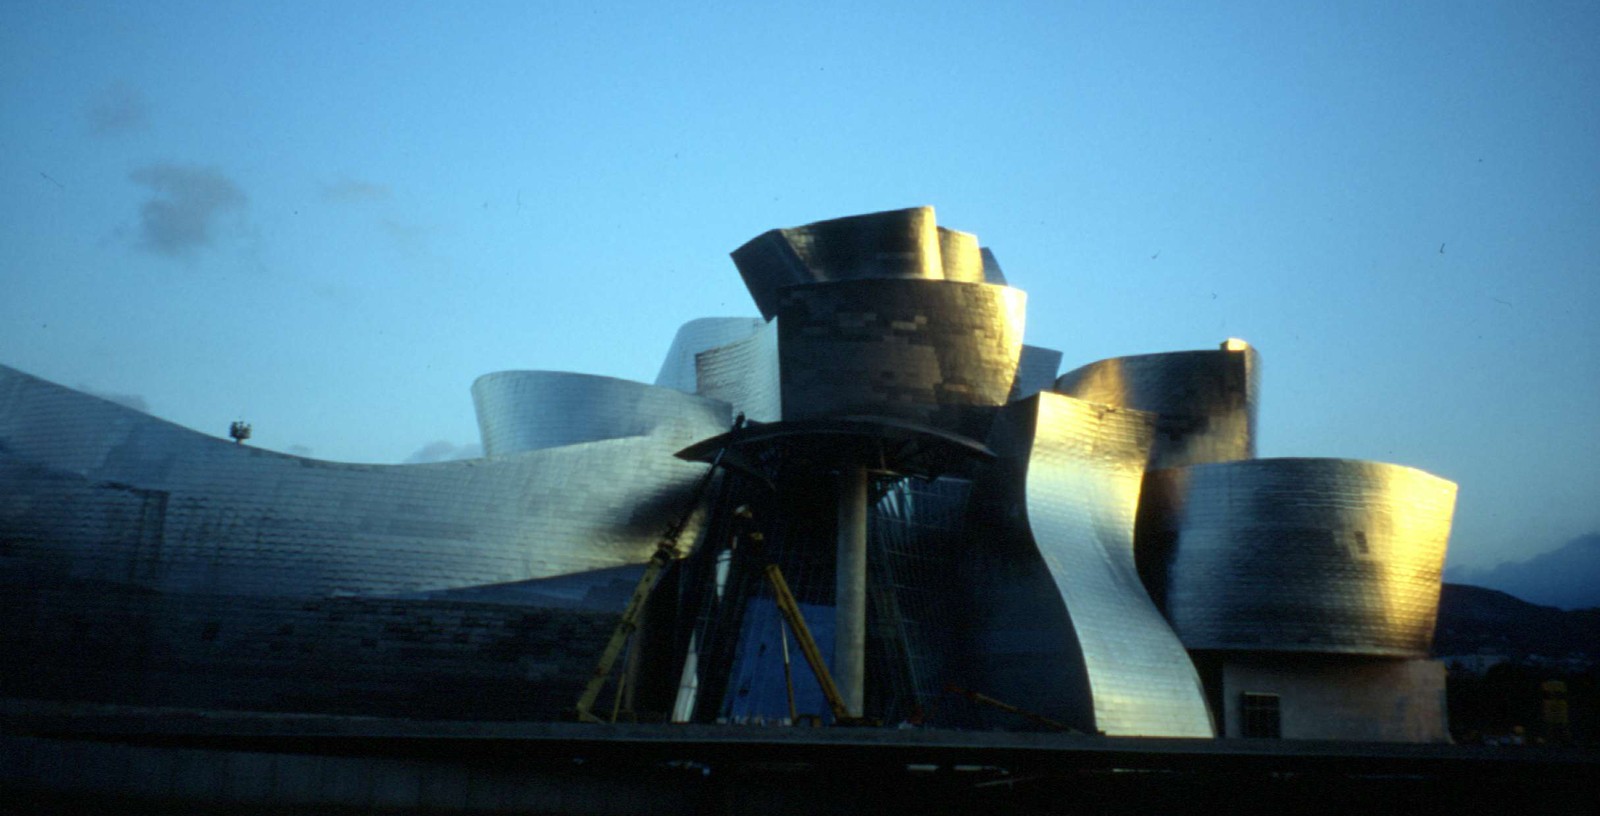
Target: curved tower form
x,y
893,244
960,257
522,411
1299,555
1071,493
919,350
1307,591
1206,400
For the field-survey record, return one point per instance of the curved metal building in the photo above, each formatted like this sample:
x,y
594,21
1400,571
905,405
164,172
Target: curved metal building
x,y
1298,555
1036,371
1108,555
1206,400
744,374
702,334
1080,467
922,350
98,491
893,244
522,411
960,257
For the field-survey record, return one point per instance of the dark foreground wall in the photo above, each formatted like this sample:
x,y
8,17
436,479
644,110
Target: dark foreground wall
x,y
163,762
85,641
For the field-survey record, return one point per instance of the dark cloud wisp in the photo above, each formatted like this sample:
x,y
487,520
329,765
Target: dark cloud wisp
x,y
119,107
355,190
443,451
183,207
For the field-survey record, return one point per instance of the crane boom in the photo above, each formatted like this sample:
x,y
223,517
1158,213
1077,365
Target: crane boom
x,y
808,645
665,553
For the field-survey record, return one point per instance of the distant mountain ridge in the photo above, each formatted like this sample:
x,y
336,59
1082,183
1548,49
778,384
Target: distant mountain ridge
x,y
1474,620
1567,577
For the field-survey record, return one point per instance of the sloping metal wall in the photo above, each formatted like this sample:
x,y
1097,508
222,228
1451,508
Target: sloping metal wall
x,y
1079,496
95,490
522,411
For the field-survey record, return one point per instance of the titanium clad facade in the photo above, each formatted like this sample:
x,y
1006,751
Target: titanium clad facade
x,y
702,334
744,374
1082,465
910,349
1298,555
893,244
97,491
522,411
1206,400
960,257
1036,371
1107,555
991,268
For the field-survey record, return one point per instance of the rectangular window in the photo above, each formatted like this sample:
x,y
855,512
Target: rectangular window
x,y
1260,715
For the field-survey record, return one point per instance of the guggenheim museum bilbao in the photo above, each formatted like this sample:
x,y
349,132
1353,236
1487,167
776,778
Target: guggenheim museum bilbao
x,y
974,539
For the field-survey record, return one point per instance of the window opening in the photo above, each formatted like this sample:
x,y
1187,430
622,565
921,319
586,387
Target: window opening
x,y
1261,715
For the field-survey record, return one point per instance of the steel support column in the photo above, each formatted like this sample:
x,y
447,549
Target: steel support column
x,y
850,626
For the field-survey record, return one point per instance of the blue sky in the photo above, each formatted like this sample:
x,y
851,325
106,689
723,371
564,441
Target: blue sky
x,y
328,219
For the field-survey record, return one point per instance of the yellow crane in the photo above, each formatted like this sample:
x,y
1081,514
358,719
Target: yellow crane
x,y
665,553
808,648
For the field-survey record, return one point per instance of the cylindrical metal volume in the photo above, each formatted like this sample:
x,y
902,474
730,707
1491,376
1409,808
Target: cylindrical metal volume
x,y
1303,555
922,350
1204,401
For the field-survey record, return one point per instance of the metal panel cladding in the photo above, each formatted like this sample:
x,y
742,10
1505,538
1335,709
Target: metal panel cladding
x,y
533,410
913,349
93,490
960,256
1080,494
701,334
744,374
1299,555
1206,400
893,244
992,273
1036,372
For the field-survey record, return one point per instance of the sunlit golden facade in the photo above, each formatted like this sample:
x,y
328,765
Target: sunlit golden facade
x,y
1328,556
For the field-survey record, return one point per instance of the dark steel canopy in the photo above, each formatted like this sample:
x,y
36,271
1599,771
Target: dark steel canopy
x,y
882,444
